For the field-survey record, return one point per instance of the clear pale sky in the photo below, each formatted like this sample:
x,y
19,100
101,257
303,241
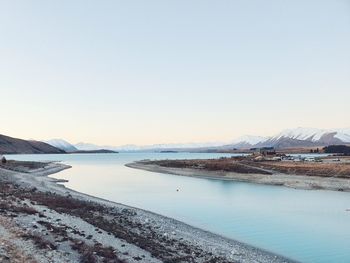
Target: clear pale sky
x,y
144,72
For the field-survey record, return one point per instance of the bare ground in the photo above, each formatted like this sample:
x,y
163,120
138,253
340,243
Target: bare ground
x,y
246,165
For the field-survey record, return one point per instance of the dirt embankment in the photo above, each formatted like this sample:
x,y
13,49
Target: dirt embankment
x,y
225,164
327,176
245,165
339,170
23,166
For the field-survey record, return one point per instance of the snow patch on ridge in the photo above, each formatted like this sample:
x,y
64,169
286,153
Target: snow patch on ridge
x,y
61,144
313,134
250,139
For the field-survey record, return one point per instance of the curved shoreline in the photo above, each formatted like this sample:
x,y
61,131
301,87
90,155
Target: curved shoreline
x,y
277,179
216,245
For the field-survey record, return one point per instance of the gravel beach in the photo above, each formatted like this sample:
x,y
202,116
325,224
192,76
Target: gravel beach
x,y
43,221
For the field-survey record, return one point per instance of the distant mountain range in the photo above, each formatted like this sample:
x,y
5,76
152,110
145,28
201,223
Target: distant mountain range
x,y
299,137
79,148
290,138
247,141
9,145
62,144
145,148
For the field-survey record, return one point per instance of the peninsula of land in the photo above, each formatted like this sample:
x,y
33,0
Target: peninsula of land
x,y
329,173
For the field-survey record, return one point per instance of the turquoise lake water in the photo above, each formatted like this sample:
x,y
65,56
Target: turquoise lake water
x,y
308,226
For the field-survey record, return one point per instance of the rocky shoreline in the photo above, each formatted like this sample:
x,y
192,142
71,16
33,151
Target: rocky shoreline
x,y
42,221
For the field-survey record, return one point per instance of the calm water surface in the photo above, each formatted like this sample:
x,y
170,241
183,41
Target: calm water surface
x,y
309,226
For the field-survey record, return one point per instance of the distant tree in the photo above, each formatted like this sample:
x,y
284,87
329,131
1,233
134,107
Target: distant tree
x,y
338,149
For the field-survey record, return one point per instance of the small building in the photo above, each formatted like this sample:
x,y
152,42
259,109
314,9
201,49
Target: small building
x,y
265,151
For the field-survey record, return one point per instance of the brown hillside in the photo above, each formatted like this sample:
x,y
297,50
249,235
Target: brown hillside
x,y
9,145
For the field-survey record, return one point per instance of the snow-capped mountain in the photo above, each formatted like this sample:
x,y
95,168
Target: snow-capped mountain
x,y
92,147
62,144
249,140
301,134
343,134
312,134
289,138
153,147
245,142
307,137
